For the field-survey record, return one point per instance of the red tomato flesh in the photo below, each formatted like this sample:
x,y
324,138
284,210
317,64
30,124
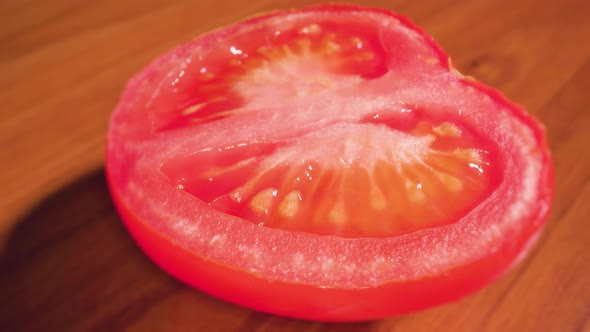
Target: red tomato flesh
x,y
328,164
361,179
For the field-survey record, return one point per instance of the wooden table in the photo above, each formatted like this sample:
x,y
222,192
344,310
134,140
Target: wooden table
x,y
70,265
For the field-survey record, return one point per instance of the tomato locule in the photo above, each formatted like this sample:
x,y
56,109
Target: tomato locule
x,y
326,163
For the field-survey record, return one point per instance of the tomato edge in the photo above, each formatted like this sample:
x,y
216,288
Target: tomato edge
x,y
244,288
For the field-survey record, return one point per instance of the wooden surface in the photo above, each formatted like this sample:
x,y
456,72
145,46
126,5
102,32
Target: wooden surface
x,y
68,264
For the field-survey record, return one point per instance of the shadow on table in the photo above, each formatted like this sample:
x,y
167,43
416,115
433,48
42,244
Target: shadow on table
x,y
70,265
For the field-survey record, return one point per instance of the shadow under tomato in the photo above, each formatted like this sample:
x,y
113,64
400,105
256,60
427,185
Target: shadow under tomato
x,y
71,265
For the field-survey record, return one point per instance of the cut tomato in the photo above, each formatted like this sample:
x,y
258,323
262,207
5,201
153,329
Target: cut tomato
x,y
326,163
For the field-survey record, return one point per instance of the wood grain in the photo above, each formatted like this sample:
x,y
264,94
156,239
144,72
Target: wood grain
x,y
68,264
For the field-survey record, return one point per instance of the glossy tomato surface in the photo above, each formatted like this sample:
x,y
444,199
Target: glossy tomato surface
x,y
326,163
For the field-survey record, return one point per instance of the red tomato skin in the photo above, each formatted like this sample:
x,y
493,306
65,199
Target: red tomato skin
x,y
313,302
341,304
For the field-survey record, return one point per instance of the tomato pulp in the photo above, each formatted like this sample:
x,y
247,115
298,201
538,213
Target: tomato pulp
x,y
326,163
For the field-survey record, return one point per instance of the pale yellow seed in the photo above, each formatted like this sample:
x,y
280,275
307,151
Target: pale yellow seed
x,y
447,129
452,183
289,207
286,51
417,196
338,213
270,52
195,108
415,192
356,41
311,29
207,76
192,109
469,155
235,62
332,47
262,202
378,201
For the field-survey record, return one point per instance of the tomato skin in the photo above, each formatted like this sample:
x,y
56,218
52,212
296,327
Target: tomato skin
x,y
305,298
313,302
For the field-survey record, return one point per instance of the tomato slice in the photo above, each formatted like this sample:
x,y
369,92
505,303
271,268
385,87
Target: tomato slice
x,y
326,163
